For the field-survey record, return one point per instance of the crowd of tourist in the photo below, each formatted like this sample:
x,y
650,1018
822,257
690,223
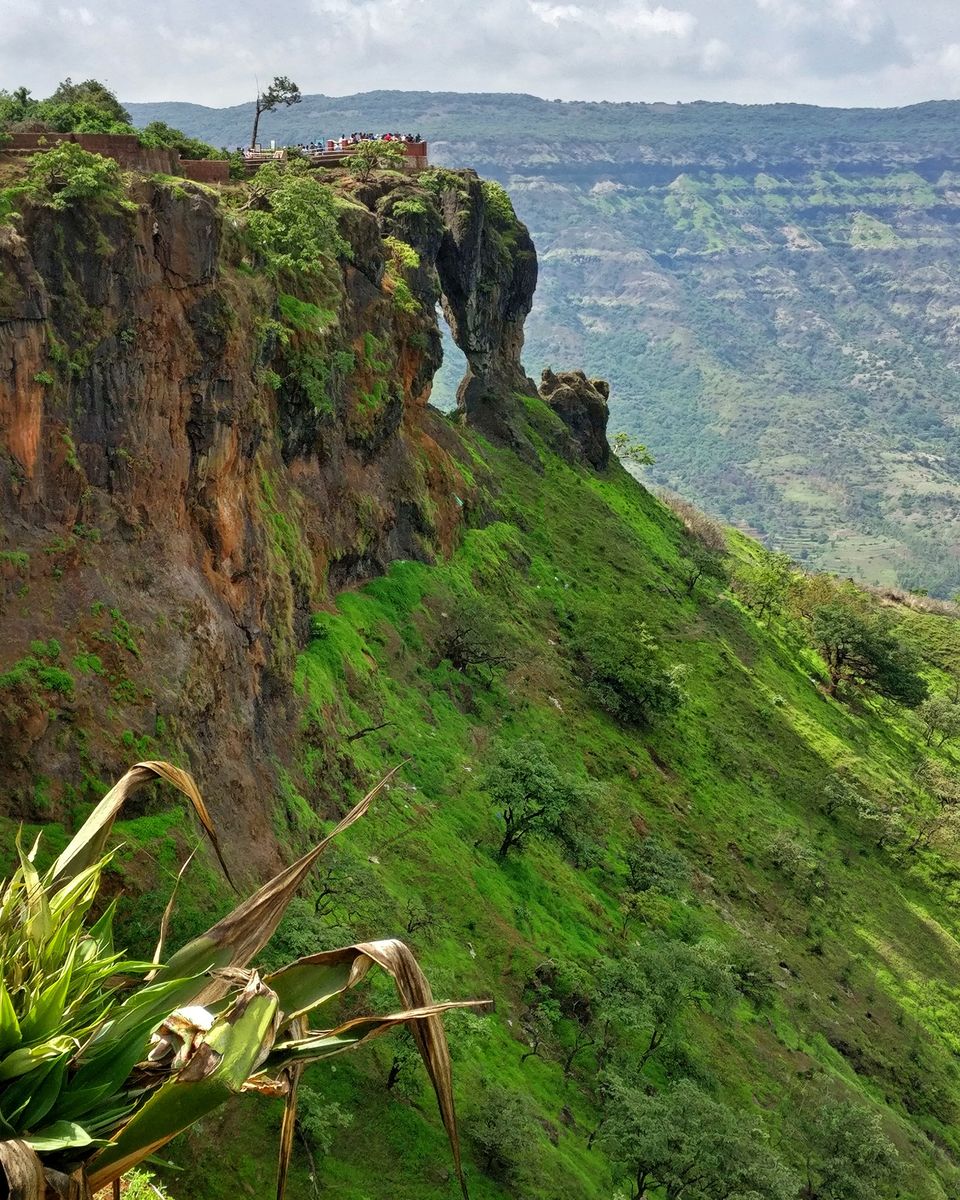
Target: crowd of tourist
x,y
344,142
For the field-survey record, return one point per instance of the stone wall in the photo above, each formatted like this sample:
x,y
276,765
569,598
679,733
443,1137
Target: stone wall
x,y
124,147
204,170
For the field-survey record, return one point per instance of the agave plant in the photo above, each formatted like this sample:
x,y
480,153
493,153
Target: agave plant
x,y
104,1060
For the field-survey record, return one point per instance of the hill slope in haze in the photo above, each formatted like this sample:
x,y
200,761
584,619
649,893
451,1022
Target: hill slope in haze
x,y
773,290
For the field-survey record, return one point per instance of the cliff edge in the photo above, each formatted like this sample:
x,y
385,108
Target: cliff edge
x,y
209,426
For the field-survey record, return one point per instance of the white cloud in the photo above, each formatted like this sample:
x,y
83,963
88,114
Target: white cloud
x,y
670,21
949,57
625,18
554,14
74,16
824,51
716,55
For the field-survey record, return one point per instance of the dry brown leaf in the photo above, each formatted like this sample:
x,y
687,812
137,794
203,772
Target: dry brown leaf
x,y
233,941
412,985
87,846
22,1171
288,1127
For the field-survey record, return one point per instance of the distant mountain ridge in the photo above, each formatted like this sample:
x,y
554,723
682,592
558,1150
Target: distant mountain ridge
x,y
773,290
498,124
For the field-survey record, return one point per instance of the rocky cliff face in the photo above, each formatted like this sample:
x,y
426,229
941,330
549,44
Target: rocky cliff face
x,y
488,268
198,454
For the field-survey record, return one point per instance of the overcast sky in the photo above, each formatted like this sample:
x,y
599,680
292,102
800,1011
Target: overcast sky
x,y
849,52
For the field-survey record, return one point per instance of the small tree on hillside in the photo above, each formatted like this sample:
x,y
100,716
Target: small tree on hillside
x,y
656,874
706,540
371,156
763,586
471,634
809,592
848,1156
318,1121
689,1145
940,718
282,91
643,994
530,793
938,809
560,1008
629,449
624,669
839,797
655,865
503,1129
700,562
861,651
797,862
538,1021
879,813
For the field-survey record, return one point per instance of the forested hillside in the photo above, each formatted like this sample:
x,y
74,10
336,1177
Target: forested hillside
x,y
773,291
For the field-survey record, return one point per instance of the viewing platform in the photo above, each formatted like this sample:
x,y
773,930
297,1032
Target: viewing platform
x,y
126,149
416,155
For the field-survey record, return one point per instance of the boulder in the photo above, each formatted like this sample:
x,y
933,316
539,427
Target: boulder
x,y
581,404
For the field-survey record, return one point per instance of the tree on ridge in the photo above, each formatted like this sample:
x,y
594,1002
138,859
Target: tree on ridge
x,y
282,91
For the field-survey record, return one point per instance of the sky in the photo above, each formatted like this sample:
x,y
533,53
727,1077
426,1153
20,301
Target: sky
x,y
832,52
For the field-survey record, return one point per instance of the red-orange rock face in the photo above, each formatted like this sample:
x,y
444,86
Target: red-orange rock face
x,y
174,497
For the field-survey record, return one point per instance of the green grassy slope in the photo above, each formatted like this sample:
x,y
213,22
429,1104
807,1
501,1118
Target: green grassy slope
x,y
862,955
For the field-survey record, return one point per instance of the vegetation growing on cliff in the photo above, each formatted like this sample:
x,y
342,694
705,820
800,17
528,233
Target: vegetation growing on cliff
x,y
89,107
86,107
296,228
67,176
688,919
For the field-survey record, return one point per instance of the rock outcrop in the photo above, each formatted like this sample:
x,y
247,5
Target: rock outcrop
x,y
194,457
581,404
488,273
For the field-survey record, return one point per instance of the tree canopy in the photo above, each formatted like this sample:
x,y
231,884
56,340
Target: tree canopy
x,y
861,651
529,791
642,995
296,228
85,107
370,156
159,133
282,91
689,1145
90,92
625,671
848,1156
